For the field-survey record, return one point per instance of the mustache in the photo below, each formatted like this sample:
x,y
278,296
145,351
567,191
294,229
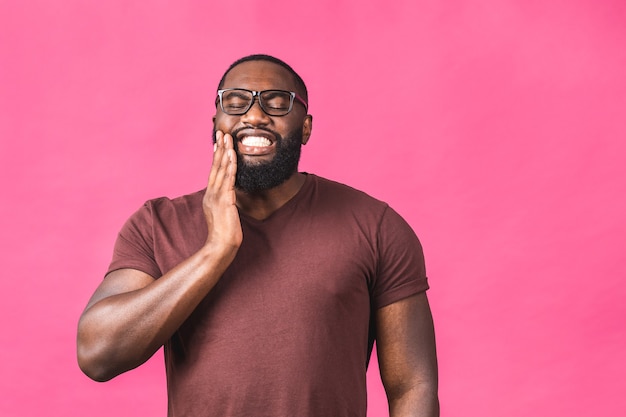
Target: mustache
x,y
235,133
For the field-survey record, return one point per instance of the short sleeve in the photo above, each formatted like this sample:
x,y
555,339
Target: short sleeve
x,y
400,270
134,247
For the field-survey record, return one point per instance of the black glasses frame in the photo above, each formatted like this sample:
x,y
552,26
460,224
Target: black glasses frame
x,y
257,94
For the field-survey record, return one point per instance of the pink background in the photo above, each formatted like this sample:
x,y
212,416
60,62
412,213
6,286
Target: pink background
x,y
495,127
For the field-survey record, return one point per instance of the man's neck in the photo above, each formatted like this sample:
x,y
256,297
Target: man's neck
x,y
261,204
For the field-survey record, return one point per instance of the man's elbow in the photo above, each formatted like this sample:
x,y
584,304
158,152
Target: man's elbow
x,y
93,354
92,365
419,398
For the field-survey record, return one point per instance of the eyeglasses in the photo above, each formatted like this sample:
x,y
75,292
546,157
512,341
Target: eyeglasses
x,y
237,101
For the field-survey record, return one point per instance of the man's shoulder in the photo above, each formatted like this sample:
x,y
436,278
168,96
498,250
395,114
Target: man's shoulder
x,y
345,192
176,206
185,200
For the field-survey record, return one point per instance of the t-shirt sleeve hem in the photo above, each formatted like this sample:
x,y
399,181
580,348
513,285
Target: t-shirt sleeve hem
x,y
403,291
154,273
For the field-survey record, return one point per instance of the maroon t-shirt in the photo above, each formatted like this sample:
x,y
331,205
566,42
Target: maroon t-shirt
x,y
286,330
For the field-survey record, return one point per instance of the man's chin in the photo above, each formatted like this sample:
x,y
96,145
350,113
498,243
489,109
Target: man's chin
x,y
264,172
246,161
262,176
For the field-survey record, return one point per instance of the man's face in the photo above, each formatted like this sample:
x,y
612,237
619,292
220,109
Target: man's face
x,y
267,147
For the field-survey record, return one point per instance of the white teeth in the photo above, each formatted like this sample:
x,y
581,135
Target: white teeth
x,y
255,141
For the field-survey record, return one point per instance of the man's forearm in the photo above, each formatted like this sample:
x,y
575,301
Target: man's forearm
x,y
120,332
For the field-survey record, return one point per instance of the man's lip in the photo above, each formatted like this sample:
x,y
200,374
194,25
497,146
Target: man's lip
x,y
254,132
252,150
249,150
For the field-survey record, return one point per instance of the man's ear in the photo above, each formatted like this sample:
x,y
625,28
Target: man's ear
x,y
214,139
307,126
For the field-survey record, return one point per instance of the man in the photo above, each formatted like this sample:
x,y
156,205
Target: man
x,y
268,288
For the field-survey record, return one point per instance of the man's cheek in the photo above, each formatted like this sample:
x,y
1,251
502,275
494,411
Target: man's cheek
x,y
223,123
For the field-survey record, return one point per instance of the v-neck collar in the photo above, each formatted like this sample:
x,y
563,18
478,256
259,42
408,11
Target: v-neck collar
x,y
285,208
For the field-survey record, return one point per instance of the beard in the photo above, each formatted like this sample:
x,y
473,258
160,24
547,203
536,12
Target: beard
x,y
262,176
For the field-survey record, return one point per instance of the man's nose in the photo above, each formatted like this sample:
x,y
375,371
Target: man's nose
x,y
255,114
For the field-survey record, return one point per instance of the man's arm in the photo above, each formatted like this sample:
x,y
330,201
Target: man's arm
x,y
405,342
131,315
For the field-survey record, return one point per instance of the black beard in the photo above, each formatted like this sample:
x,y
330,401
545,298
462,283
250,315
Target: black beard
x,y
252,178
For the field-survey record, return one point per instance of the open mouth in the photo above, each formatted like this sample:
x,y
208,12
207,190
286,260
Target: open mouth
x,y
255,143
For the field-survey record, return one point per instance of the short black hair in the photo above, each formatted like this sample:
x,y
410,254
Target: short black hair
x,y
263,57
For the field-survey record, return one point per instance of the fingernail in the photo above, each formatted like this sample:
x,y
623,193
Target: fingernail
x,y
214,147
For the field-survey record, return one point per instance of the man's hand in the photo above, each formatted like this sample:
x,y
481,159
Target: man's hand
x,y
219,203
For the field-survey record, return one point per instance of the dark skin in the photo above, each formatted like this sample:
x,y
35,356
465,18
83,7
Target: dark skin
x,y
131,314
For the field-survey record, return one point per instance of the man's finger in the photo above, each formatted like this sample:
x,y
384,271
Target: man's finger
x,y
218,152
230,158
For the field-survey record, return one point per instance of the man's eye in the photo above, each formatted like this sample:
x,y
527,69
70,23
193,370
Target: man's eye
x,y
277,106
277,103
236,105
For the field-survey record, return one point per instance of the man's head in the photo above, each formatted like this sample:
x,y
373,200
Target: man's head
x,y
267,145
299,82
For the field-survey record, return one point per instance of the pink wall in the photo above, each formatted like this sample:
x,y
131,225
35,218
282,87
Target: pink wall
x,y
496,127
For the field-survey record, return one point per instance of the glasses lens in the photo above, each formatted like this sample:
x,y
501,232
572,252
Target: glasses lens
x,y
236,101
276,102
